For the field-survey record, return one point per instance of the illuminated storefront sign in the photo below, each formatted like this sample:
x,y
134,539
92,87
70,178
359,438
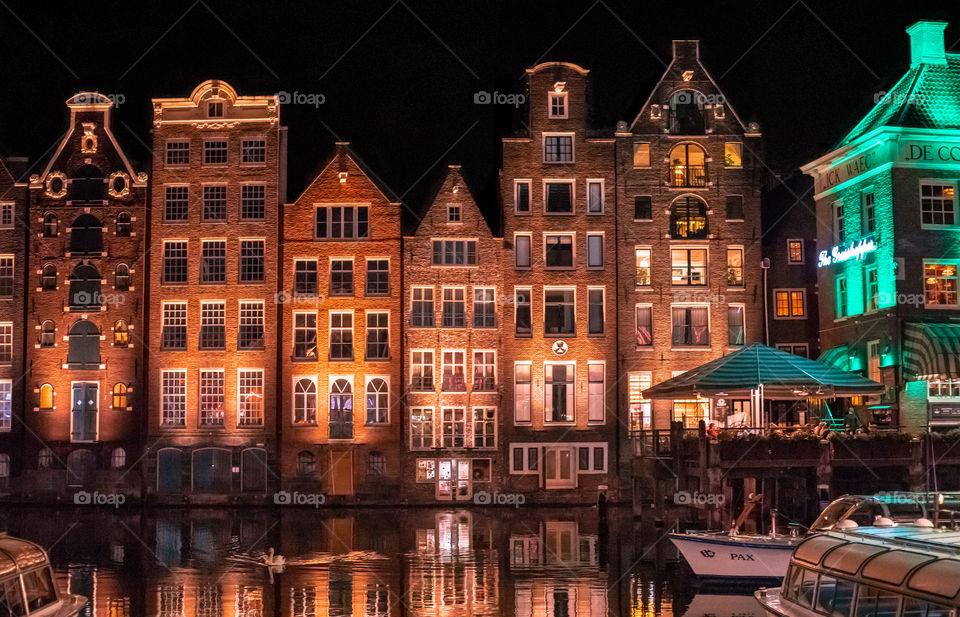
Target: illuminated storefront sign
x,y
856,250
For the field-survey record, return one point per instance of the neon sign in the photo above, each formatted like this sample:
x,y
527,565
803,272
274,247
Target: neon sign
x,y
838,254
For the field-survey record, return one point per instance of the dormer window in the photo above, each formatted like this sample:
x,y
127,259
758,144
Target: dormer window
x,y
214,109
558,105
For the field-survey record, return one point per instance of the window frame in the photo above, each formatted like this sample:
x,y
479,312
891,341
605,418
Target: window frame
x,y
572,183
572,235
564,105
790,291
943,183
558,135
565,288
803,254
516,196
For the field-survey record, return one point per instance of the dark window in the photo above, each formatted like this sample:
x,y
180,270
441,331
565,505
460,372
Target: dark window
x,y
85,288
686,113
735,333
215,152
215,203
173,333
305,336
378,336
124,225
213,331
734,207
251,261
341,410
690,326
559,197
454,308
559,251
253,202
643,207
341,277
48,334
49,278
176,203
178,153
342,222
86,235
84,351
422,304
522,197
522,311
558,148
253,151
50,225
250,331
644,326
341,336
484,308
595,318
87,184
175,262
213,264
378,277
558,312
305,277
454,252
121,277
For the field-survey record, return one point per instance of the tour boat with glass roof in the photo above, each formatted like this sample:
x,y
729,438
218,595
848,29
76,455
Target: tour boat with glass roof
x,y
27,587
887,570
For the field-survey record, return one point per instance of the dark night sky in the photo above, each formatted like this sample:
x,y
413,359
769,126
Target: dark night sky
x,y
397,92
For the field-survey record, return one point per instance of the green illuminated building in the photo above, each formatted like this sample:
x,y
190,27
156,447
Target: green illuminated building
x,y
889,236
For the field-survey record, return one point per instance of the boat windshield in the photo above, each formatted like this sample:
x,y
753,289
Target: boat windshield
x,y
39,588
834,513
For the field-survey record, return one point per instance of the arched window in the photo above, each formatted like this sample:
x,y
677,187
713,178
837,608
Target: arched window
x,y
46,396
376,464
305,402
48,333
48,280
120,396
87,184
688,218
4,470
341,410
45,459
84,349
377,401
84,288
51,225
306,463
124,225
688,165
121,277
686,113
118,458
121,335
86,235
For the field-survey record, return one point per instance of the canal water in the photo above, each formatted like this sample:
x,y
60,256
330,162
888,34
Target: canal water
x,y
471,562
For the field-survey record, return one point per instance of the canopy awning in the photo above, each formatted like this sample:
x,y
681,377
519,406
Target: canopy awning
x,y
931,349
782,375
838,356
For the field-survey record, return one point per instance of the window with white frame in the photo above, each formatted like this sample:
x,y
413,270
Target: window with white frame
x,y
342,222
521,392
215,152
305,401
940,283
643,264
522,311
215,202
304,336
212,401
176,203
689,266
6,342
250,397
173,397
559,315
938,204
641,418
644,325
558,392
557,105
522,247
6,276
421,428
251,261
484,427
591,458
453,371
690,326
595,310
250,325
378,277
595,251
378,335
453,427
595,197
213,333
253,150
557,148
558,197
341,335
454,252
175,261
454,307
6,405
596,392
378,400
521,196
253,201
735,266
484,307
943,388
871,289
422,315
839,231
869,211
454,213
524,458
305,277
177,152
6,215
421,369
484,371
173,328
213,262
843,306
736,331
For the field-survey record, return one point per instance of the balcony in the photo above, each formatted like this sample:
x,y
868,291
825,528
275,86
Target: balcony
x,y
687,176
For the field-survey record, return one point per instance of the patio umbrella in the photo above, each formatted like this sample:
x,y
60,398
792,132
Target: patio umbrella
x,y
777,374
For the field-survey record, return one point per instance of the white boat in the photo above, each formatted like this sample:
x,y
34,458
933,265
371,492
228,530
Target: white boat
x,y
887,570
733,556
27,586
723,605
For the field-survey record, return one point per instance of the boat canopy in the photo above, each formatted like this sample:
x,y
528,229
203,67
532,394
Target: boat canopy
x,y
888,563
19,555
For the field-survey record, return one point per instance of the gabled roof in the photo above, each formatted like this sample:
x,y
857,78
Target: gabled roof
x,y
342,153
452,180
927,96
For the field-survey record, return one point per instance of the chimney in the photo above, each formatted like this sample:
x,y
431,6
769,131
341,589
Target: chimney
x,y
926,43
686,50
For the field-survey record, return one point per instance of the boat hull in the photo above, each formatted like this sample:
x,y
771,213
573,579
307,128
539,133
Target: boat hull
x,y
724,558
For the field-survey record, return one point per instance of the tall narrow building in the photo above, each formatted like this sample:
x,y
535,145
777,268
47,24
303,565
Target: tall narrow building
x,y
219,171
341,311
559,338
85,311
689,180
453,328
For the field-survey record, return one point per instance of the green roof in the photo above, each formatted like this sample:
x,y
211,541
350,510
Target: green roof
x,y
783,375
928,97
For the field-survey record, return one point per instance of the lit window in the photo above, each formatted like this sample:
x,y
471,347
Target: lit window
x,y
305,336
641,418
733,154
119,396
789,303
421,370
250,326
940,284
641,154
691,412
558,392
644,313
795,252
305,402
422,305
173,397
558,148
454,372
121,335
690,326
212,399
688,218
421,428
46,396
735,266
250,398
937,203
643,266
689,266
341,336
484,371
521,392
688,166
173,332
943,388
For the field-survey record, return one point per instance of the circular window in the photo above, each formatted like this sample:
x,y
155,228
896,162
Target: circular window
x,y
56,185
119,184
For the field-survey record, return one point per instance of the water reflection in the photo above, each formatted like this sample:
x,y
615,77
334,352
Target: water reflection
x,y
524,562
